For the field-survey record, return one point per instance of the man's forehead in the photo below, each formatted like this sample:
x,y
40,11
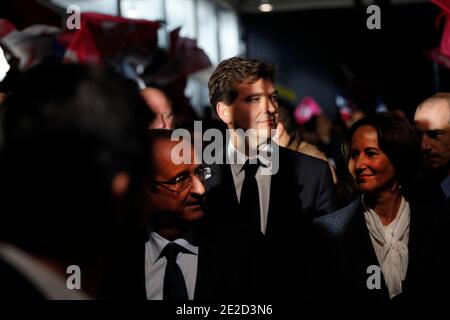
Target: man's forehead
x,y
157,99
433,115
167,154
166,146
165,167
254,84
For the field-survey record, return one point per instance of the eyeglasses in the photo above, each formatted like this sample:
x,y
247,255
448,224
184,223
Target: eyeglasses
x,y
184,181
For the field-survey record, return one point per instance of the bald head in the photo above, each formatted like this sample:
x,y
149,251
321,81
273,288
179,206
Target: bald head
x,y
432,119
435,110
161,105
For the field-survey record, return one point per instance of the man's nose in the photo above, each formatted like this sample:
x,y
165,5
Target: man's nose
x,y
427,144
164,123
157,123
271,106
197,185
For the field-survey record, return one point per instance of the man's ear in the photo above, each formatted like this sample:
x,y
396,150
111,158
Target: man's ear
x,y
120,184
224,112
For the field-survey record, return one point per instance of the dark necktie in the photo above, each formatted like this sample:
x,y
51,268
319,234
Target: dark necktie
x,y
174,285
249,201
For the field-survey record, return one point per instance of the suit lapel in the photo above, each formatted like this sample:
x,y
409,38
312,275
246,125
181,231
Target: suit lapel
x,y
422,254
284,204
222,270
361,254
221,190
204,269
274,199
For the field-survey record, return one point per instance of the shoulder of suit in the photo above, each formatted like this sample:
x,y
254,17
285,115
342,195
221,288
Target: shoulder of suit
x,y
336,223
301,158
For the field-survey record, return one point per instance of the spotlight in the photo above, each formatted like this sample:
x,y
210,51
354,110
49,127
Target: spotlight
x,y
265,6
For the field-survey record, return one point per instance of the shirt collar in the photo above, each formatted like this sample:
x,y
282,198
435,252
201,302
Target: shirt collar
x,y
238,159
157,243
376,220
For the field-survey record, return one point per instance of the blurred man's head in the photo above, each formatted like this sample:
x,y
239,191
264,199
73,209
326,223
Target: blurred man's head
x,y
432,120
160,104
75,146
175,191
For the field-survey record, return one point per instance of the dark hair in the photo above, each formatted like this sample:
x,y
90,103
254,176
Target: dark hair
x,y
156,135
68,130
285,117
399,141
232,72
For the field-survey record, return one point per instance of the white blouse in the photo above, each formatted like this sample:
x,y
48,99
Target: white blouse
x,y
391,245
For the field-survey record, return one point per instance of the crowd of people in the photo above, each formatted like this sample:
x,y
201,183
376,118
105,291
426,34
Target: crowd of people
x,y
89,179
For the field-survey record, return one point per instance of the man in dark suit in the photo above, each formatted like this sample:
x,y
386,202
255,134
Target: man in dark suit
x,y
271,192
181,258
432,121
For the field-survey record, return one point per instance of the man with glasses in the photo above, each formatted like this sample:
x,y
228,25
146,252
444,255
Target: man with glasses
x,y
184,258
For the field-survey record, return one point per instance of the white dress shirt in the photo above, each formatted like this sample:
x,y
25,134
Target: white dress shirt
x,y
155,268
391,245
237,160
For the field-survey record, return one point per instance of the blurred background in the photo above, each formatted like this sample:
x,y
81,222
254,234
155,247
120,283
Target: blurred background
x,y
328,61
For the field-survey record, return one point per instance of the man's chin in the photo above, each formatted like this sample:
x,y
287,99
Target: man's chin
x,y
194,213
435,163
266,133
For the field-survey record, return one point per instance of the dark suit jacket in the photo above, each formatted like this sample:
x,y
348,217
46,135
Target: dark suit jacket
x,y
223,267
341,252
222,274
302,187
443,241
301,190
